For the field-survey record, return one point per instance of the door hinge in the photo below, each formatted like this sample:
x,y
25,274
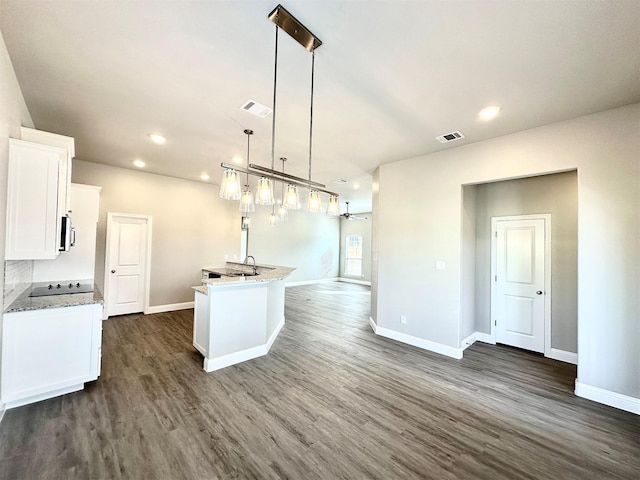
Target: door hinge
x,y
495,323
496,234
495,278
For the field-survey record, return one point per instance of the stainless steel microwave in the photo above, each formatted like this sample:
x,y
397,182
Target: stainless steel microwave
x,y
67,235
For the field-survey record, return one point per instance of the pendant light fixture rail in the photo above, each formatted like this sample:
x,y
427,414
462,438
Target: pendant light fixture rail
x,y
309,183
277,177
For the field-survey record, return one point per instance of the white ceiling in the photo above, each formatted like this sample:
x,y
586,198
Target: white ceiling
x,y
390,76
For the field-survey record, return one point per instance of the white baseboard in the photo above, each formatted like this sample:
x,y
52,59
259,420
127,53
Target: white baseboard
x,y
213,364
467,342
372,324
485,338
2,410
607,397
563,356
172,307
353,280
416,341
311,282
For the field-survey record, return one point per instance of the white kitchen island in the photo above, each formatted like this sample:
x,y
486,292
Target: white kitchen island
x,y
236,317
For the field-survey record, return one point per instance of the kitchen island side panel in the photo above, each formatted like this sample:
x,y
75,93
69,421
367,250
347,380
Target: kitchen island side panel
x,y
238,318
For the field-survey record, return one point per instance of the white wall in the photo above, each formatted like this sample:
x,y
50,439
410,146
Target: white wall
x,y
362,228
13,115
306,241
605,150
192,227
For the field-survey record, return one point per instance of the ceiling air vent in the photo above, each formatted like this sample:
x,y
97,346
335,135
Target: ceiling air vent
x,y
450,137
256,108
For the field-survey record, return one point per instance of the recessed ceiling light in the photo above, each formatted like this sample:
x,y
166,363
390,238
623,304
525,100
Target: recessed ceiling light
x,y
489,113
204,176
139,163
356,186
157,138
237,159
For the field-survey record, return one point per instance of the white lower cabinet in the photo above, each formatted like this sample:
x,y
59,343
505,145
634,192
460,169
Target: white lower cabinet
x,y
49,352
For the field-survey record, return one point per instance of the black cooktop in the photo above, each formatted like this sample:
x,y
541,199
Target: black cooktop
x,y
61,289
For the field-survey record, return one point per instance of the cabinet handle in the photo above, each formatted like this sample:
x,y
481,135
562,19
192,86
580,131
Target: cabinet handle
x,y
113,271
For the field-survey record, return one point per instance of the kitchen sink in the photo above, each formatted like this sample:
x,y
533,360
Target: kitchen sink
x,y
228,272
241,274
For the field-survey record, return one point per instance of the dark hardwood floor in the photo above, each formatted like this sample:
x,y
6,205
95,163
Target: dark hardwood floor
x,y
331,400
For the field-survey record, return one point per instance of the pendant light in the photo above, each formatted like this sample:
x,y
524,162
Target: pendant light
x,y
264,194
246,200
291,200
315,204
283,214
333,207
273,217
230,185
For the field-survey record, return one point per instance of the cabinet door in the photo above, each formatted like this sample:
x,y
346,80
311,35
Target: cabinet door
x,y
64,177
48,350
32,201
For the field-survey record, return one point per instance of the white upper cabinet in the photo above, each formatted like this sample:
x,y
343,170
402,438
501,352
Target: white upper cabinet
x,y
33,218
64,180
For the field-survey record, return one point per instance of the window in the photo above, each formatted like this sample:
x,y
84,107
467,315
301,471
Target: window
x,y
353,257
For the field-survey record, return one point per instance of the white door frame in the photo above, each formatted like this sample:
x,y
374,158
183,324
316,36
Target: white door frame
x,y
547,273
107,259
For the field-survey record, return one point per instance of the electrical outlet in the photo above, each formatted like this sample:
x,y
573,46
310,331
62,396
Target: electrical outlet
x,y
403,319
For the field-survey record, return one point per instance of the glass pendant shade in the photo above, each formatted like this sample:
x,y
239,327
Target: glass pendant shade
x,y
230,185
264,195
283,213
246,201
273,219
333,207
291,199
315,204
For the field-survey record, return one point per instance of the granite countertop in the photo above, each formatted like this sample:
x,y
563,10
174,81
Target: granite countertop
x,y
266,273
24,302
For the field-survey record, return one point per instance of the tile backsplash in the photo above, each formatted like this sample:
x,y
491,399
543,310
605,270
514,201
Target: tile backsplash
x,y
17,277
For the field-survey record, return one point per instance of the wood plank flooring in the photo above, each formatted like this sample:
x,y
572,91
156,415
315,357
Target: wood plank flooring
x,y
330,401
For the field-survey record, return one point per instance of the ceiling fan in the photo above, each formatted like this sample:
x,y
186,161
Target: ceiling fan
x,y
350,216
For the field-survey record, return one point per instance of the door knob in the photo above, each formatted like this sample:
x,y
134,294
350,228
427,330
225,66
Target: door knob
x,y
539,292
113,271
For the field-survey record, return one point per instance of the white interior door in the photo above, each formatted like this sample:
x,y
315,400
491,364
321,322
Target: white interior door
x,y
520,313
126,265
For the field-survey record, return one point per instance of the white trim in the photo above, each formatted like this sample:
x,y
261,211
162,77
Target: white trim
x,y
467,342
563,356
353,280
171,307
44,396
212,364
311,282
147,273
417,342
485,338
547,273
2,410
372,324
607,397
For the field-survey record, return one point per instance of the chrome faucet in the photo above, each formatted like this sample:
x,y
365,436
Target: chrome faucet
x,y
255,269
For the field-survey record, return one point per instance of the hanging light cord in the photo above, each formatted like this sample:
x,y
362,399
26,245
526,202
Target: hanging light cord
x,y
249,133
275,83
313,64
